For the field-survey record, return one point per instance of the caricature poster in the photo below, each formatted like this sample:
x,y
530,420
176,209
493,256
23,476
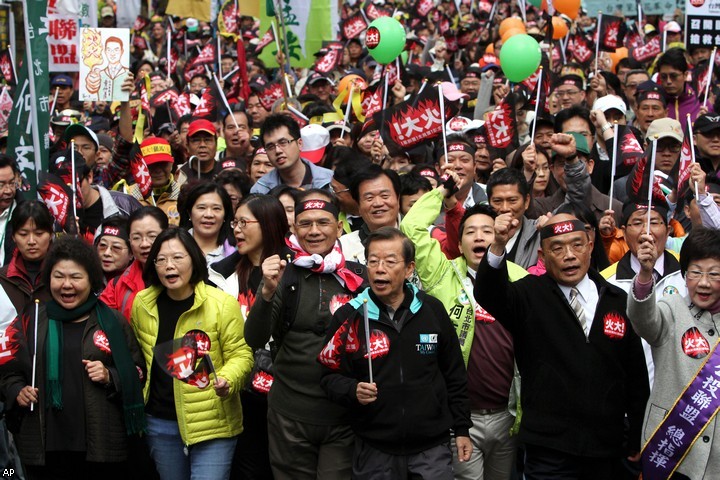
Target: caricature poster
x,y
104,63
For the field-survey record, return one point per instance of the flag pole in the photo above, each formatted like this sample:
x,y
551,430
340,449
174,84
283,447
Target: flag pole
x,y
33,94
710,74
275,34
614,164
651,185
74,179
538,85
169,41
347,111
692,154
225,102
597,44
441,99
278,13
12,63
34,364
366,320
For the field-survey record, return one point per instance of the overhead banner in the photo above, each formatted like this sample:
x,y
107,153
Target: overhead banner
x,y
629,7
702,23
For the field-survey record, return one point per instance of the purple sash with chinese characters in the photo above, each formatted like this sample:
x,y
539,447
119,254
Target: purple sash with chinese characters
x,y
685,422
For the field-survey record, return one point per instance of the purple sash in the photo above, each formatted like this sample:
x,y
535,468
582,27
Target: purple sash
x,y
685,422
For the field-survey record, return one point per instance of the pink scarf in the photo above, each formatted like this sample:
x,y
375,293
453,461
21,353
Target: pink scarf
x,y
333,262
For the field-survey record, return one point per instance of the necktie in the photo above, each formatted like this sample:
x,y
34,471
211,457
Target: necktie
x,y
578,309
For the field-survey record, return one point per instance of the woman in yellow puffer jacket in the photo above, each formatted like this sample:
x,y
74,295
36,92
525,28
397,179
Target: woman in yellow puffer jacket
x,y
190,429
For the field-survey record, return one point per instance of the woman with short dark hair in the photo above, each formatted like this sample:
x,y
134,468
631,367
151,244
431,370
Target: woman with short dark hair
x,y
682,333
206,211
87,393
182,440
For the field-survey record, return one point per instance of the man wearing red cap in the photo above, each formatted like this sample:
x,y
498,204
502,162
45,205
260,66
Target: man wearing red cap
x,y
202,146
165,190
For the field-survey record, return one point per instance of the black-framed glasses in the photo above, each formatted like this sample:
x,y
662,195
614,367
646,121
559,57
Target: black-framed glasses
x,y
282,143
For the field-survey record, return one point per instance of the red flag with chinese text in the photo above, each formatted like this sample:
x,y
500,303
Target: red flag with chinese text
x,y
139,170
410,124
629,150
501,128
7,68
265,40
353,26
612,33
270,93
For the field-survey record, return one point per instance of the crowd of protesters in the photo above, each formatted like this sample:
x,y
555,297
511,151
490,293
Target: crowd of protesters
x,y
294,295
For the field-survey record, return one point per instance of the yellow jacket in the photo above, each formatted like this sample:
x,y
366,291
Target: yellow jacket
x,y
202,415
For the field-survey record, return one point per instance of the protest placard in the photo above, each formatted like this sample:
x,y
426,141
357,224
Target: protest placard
x,y
104,63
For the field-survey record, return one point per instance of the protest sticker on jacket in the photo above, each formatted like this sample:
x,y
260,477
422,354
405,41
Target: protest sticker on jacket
x,y
104,63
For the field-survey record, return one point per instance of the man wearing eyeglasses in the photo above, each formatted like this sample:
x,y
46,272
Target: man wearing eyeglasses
x,y
669,135
281,138
308,434
9,181
202,147
668,279
569,90
672,68
707,141
581,364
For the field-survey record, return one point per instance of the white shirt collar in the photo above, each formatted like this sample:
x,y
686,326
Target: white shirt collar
x,y
584,288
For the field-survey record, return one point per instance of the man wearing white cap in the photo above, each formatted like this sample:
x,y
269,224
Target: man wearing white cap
x,y
605,112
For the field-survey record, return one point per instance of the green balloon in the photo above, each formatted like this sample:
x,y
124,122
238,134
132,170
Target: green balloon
x,y
520,57
536,3
385,39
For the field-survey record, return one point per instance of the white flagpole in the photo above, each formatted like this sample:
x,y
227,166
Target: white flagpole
x,y
219,53
12,62
287,85
538,86
614,164
521,7
277,40
74,179
367,338
231,73
452,78
297,112
651,185
169,41
597,44
34,364
692,154
347,111
441,98
225,102
52,108
711,65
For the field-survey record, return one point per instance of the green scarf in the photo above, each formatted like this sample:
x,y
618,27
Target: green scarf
x,y
131,390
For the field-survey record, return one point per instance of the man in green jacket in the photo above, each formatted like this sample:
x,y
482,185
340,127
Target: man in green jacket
x,y
486,346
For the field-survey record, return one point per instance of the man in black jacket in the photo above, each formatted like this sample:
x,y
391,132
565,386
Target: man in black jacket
x,y
402,415
582,365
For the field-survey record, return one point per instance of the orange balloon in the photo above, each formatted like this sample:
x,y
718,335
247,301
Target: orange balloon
x,y
490,48
347,80
560,28
616,56
511,22
571,8
511,32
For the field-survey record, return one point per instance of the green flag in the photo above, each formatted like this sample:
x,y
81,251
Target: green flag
x,y
308,24
270,8
28,136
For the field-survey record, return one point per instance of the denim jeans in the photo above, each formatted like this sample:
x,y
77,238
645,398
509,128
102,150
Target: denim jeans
x,y
209,460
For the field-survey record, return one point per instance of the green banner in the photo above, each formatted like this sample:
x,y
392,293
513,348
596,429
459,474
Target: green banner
x,y
29,137
307,24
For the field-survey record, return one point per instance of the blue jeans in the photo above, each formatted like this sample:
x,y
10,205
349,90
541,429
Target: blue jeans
x,y
209,460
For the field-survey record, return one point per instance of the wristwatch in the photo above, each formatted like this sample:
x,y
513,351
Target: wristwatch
x,y
606,127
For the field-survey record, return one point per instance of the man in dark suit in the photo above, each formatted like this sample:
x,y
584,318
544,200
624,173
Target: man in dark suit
x,y
581,364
